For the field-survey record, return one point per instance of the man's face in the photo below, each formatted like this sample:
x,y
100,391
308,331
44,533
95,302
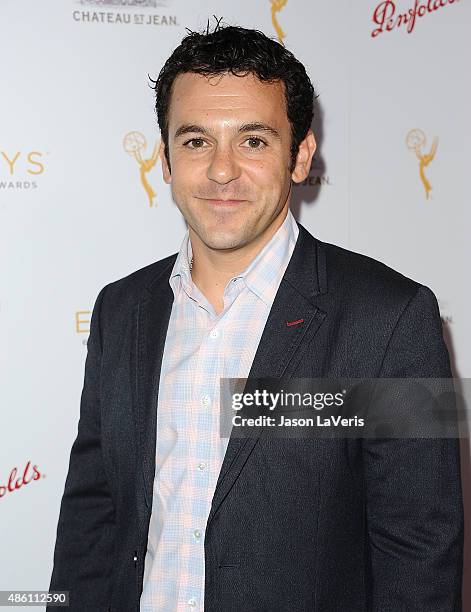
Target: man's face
x,y
229,143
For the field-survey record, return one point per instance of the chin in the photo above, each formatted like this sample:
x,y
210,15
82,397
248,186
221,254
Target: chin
x,y
224,240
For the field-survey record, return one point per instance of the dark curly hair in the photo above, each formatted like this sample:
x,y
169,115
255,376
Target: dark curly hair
x,y
240,51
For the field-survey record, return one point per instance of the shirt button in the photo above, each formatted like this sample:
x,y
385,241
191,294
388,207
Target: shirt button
x,y
197,534
192,602
214,333
205,400
201,466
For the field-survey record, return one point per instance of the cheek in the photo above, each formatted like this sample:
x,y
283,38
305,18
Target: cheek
x,y
184,180
268,171
190,178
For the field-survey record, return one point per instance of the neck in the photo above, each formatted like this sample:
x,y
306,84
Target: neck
x,y
212,268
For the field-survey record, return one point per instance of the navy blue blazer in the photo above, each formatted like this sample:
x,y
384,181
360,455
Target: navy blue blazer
x,y
325,525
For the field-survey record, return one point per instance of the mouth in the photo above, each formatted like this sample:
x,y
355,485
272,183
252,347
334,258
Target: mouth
x,y
221,202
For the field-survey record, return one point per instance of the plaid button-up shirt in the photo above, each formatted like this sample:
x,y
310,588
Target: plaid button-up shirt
x,y
200,348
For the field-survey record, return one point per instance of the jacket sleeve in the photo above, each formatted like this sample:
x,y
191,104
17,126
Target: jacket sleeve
x,y
84,550
413,486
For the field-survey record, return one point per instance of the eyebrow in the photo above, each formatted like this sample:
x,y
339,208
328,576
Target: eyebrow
x,y
244,128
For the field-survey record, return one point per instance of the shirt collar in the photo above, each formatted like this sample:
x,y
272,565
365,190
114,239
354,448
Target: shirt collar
x,y
262,276
180,274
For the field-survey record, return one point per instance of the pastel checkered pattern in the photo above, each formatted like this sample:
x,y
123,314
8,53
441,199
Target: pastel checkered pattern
x,y
200,348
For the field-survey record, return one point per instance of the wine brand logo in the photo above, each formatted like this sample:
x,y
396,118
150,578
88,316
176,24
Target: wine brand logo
x,y
134,144
415,140
15,482
104,11
387,18
276,6
125,3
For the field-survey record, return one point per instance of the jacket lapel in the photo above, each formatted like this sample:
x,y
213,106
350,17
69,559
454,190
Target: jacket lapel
x,y
153,315
280,349
282,345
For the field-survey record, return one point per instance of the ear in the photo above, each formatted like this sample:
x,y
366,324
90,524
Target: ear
x,y
306,150
163,160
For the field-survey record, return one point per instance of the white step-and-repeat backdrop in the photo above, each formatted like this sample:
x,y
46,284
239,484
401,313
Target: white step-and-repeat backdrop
x,y
83,203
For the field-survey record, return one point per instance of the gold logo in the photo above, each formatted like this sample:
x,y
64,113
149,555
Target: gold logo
x,y
415,140
82,324
11,162
135,143
276,6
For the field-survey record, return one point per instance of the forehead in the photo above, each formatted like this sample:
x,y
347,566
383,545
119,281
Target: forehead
x,y
227,96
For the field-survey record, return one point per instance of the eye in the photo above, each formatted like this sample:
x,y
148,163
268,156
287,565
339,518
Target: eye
x,y
199,142
256,142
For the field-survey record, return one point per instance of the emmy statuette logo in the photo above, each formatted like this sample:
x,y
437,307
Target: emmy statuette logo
x,y
135,144
415,141
276,6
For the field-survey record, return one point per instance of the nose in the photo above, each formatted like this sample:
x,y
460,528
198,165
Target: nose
x,y
223,166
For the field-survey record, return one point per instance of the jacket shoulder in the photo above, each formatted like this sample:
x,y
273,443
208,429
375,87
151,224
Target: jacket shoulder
x,y
396,317
353,274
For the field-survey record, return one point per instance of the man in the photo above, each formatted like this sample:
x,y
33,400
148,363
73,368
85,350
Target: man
x,y
161,513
